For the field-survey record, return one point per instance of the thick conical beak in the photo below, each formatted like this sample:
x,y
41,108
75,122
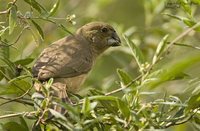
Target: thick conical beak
x,y
114,40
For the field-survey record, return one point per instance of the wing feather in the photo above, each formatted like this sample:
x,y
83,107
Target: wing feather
x,y
65,58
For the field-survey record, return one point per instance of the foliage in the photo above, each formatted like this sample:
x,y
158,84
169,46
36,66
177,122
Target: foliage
x,y
162,58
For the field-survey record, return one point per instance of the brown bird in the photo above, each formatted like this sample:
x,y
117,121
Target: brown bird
x,y
69,59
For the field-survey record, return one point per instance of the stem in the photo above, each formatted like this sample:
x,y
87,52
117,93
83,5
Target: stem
x,y
17,98
126,86
18,114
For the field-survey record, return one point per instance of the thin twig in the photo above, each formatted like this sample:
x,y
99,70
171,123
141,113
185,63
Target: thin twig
x,y
8,10
19,36
5,12
183,34
25,114
40,119
186,45
173,42
181,122
126,86
58,25
17,39
159,57
19,101
15,99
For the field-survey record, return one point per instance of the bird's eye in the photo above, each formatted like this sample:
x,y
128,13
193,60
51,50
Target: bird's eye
x,y
104,30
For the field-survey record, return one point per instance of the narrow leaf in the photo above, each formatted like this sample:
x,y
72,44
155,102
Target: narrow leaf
x,y
86,106
65,29
24,61
137,53
196,2
49,83
124,77
24,124
13,126
16,86
161,46
57,115
173,16
39,29
2,72
194,102
186,21
33,4
123,107
12,18
3,31
54,8
186,6
170,71
10,64
101,97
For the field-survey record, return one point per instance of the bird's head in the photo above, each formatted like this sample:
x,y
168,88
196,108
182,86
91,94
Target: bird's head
x,y
100,35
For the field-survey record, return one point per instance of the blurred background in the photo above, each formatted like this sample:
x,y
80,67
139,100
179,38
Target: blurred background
x,y
143,21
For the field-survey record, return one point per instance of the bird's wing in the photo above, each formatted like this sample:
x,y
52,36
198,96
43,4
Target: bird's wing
x,y
64,58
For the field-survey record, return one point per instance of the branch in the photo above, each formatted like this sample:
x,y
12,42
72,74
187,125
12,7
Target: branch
x,y
126,86
5,12
151,66
179,122
19,101
8,10
24,114
173,42
17,98
186,45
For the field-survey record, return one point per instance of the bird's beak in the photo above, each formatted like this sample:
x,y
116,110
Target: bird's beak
x,y
114,40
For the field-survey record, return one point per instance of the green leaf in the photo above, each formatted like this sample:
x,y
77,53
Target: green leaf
x,y
124,77
24,61
39,29
10,64
110,106
3,31
57,115
95,92
13,126
34,4
189,22
65,29
186,6
137,53
196,2
12,18
174,16
70,108
49,83
2,72
100,97
86,106
24,124
37,95
123,107
16,86
194,102
171,71
161,46
5,50
54,8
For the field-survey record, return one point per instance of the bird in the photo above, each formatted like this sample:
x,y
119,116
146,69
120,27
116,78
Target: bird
x,y
69,60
